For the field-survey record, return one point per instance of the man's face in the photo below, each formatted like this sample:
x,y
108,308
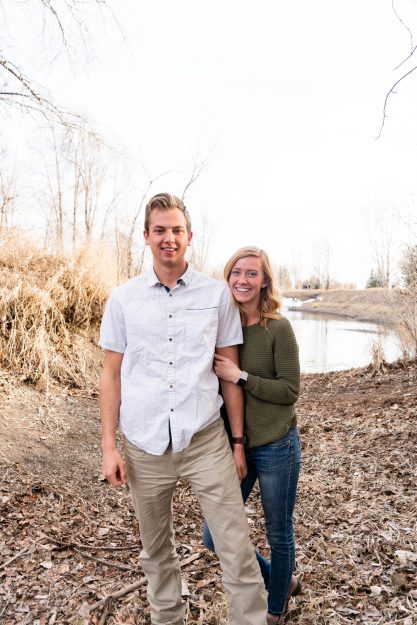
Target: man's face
x,y
168,237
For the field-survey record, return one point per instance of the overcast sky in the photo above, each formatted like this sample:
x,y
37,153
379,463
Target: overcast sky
x,y
284,100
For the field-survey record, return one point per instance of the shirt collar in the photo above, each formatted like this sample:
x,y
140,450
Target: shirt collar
x,y
152,278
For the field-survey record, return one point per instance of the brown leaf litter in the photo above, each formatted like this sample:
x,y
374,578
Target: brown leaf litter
x,y
69,542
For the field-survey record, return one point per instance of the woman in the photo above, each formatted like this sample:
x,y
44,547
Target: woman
x,y
270,376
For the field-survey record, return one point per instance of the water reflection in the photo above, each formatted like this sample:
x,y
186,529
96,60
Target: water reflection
x,y
329,343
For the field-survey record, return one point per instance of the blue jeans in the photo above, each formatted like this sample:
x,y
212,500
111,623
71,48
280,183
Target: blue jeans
x,y
277,467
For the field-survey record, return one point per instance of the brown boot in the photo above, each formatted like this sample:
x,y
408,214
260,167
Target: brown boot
x,y
293,590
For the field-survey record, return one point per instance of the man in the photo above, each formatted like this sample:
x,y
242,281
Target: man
x,y
159,333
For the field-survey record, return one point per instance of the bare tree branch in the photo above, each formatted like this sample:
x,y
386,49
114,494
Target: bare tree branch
x,y
17,89
413,48
198,167
133,223
406,59
51,9
391,91
405,26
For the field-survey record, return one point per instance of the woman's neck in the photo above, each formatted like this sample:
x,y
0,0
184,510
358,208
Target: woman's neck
x,y
251,315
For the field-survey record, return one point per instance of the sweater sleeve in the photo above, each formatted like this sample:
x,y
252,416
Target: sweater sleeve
x,y
285,388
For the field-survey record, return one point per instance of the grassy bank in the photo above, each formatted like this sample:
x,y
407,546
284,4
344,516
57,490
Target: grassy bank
x,y
376,305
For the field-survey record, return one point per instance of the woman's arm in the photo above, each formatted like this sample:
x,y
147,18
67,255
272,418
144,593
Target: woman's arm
x,y
285,387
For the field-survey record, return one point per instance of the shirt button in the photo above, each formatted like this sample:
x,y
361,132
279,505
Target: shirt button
x,y
170,294
172,410
170,339
170,363
171,386
170,316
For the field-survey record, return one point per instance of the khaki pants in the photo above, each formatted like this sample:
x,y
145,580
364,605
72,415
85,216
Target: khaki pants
x,y
209,466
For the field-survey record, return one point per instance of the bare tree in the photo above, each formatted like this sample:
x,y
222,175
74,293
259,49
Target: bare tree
x,y
79,172
295,271
283,278
321,266
133,228
8,196
54,195
199,166
382,243
405,74
66,20
200,245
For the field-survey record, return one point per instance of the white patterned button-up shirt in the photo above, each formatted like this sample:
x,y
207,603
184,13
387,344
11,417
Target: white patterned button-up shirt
x,y
168,339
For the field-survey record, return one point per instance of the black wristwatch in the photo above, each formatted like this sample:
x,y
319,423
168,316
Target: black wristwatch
x,y
243,379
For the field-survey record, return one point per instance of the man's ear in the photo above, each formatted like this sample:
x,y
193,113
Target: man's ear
x,y
146,237
190,236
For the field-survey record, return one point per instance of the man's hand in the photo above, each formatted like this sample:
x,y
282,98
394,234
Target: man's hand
x,y
113,467
240,461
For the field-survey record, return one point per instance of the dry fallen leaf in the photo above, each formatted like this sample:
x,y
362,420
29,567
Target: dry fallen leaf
x,y
46,564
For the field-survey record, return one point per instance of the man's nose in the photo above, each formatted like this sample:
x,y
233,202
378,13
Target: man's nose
x,y
169,235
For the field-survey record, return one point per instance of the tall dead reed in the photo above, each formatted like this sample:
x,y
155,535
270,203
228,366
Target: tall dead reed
x,y
50,309
406,317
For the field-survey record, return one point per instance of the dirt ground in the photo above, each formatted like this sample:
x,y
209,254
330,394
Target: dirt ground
x,y
69,543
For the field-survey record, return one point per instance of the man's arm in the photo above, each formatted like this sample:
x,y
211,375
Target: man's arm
x,y
233,398
113,466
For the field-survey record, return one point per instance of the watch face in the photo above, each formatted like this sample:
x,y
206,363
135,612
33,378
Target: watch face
x,y
241,382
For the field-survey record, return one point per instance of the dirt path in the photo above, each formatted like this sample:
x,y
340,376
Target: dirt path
x,y
68,540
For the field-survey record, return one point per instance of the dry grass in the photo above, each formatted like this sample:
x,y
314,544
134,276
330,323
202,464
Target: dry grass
x,y
50,309
406,312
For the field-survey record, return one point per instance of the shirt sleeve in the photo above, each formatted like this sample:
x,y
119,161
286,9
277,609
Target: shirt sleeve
x,y
229,329
285,388
113,327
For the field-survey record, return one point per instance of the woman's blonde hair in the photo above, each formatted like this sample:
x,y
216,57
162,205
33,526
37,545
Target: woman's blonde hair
x,y
269,300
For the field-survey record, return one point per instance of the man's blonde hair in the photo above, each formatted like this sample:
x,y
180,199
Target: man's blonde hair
x,y
165,201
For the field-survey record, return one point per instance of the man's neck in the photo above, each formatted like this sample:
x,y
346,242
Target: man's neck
x,y
169,276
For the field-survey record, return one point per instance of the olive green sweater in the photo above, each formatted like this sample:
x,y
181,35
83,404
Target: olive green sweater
x,y
270,356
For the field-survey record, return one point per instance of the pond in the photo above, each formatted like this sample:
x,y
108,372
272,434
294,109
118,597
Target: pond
x,y
329,343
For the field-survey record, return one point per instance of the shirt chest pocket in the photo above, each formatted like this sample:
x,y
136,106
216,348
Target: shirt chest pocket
x,y
201,329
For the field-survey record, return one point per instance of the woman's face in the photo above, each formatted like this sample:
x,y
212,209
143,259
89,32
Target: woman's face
x,y
246,280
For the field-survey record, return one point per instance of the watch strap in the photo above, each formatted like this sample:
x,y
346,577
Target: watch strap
x,y
243,379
